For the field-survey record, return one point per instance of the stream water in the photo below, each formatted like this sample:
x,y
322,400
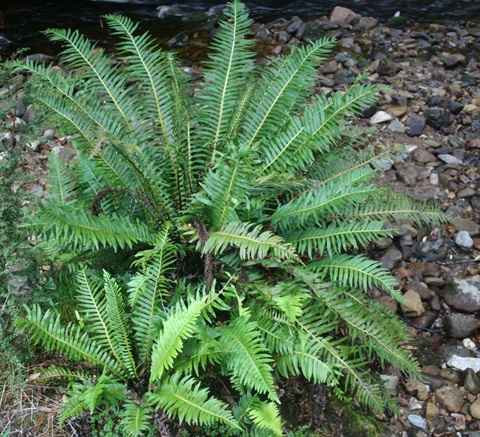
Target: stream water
x,y
21,21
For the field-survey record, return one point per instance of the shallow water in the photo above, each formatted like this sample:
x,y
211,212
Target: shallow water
x,y
22,21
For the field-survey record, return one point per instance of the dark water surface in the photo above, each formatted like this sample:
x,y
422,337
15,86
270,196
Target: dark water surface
x,y
21,21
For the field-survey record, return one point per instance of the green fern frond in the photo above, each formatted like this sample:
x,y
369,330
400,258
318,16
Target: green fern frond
x,y
135,418
336,238
176,329
53,373
396,207
230,61
265,415
224,190
147,290
61,181
327,202
356,272
251,243
185,399
73,227
286,82
46,329
248,359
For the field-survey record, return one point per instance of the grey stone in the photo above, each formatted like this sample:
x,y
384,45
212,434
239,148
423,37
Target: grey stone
x,y
439,117
468,225
464,363
452,60
415,125
417,389
460,325
49,134
340,13
417,421
471,382
390,382
450,159
380,117
390,258
464,294
384,164
396,126
431,250
450,397
463,240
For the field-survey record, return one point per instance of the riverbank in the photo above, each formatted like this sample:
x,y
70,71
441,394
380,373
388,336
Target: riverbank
x,y
430,118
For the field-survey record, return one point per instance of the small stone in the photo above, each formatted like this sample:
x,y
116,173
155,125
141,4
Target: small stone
x,y
450,398
475,409
391,258
415,125
432,413
49,134
412,304
340,13
466,193
459,424
422,156
380,117
390,382
417,421
471,382
467,225
433,281
464,294
417,389
452,60
439,117
460,325
383,243
450,159
451,375
463,240
330,67
431,250
464,363
396,126
384,164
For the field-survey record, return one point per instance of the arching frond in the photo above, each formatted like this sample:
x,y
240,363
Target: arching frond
x,y
135,418
185,399
251,243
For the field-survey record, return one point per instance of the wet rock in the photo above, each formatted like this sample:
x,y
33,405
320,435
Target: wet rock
x,y
464,363
431,250
381,117
412,305
450,398
438,117
464,294
460,325
475,409
383,243
424,321
463,240
466,193
415,125
330,67
417,421
451,375
471,382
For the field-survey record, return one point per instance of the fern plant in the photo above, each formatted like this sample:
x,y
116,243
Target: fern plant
x,y
270,210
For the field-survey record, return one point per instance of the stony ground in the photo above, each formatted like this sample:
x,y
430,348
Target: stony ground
x,y
430,118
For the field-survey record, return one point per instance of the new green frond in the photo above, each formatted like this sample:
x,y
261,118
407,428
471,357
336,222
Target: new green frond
x,y
136,418
265,415
176,329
